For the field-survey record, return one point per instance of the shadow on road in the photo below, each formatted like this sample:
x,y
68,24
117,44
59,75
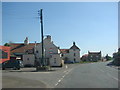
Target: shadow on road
x,y
111,64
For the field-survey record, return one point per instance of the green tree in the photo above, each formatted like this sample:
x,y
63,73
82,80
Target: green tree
x,y
108,57
7,44
116,57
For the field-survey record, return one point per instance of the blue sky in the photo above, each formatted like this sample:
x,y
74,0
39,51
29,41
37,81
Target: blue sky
x,y
92,25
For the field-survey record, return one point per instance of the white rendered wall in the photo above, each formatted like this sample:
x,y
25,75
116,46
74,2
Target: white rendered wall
x,y
55,60
28,59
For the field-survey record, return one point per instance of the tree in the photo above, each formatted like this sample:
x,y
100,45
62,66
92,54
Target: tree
x,y
116,57
108,57
7,44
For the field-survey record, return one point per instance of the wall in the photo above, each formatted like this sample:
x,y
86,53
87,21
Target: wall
x,y
56,60
28,59
4,53
77,55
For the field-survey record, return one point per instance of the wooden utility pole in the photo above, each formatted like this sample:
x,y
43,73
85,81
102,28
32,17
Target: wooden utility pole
x,y
42,37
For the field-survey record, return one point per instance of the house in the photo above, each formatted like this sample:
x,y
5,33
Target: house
x,y
4,53
52,55
24,51
94,56
116,58
71,55
84,57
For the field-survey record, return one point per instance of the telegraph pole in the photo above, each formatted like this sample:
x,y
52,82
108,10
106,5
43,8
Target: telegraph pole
x,y
41,21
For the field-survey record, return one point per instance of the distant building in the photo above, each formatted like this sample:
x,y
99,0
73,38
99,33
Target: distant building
x,y
116,58
71,55
84,57
94,56
4,53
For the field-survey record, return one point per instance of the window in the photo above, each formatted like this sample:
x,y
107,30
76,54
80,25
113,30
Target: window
x,y
73,49
54,60
36,51
28,59
67,51
74,54
74,59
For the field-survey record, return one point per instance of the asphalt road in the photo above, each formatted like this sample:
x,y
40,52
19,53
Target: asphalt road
x,y
93,75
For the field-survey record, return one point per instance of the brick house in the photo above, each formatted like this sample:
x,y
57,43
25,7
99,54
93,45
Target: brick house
x,y
4,53
94,56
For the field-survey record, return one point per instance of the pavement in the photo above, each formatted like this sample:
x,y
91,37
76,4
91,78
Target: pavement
x,y
90,75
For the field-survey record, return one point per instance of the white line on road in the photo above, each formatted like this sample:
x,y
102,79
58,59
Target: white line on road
x,y
110,75
65,71
62,77
66,66
113,77
56,84
101,70
59,80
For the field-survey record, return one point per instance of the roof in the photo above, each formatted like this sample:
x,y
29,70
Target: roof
x,y
4,47
94,52
64,50
85,55
21,47
74,46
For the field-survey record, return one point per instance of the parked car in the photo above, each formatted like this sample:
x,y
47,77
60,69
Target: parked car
x,y
69,62
21,64
28,65
14,64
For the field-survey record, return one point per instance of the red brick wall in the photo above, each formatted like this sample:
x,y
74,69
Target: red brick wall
x,y
6,50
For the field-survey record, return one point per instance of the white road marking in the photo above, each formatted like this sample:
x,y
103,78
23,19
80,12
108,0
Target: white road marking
x,y
63,76
66,66
113,77
56,84
65,71
59,80
110,75
101,70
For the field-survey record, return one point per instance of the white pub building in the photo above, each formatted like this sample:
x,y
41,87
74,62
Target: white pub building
x,y
51,53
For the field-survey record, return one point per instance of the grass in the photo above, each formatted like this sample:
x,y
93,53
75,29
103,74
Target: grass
x,y
84,62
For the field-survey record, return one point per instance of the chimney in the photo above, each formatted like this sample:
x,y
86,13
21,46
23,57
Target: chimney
x,y
73,43
26,41
48,38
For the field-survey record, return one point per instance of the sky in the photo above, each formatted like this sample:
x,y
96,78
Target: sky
x,y
92,25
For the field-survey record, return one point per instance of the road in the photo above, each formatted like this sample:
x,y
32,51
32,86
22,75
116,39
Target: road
x,y
92,75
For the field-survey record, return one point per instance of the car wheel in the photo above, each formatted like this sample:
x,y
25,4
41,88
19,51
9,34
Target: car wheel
x,y
18,68
3,68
